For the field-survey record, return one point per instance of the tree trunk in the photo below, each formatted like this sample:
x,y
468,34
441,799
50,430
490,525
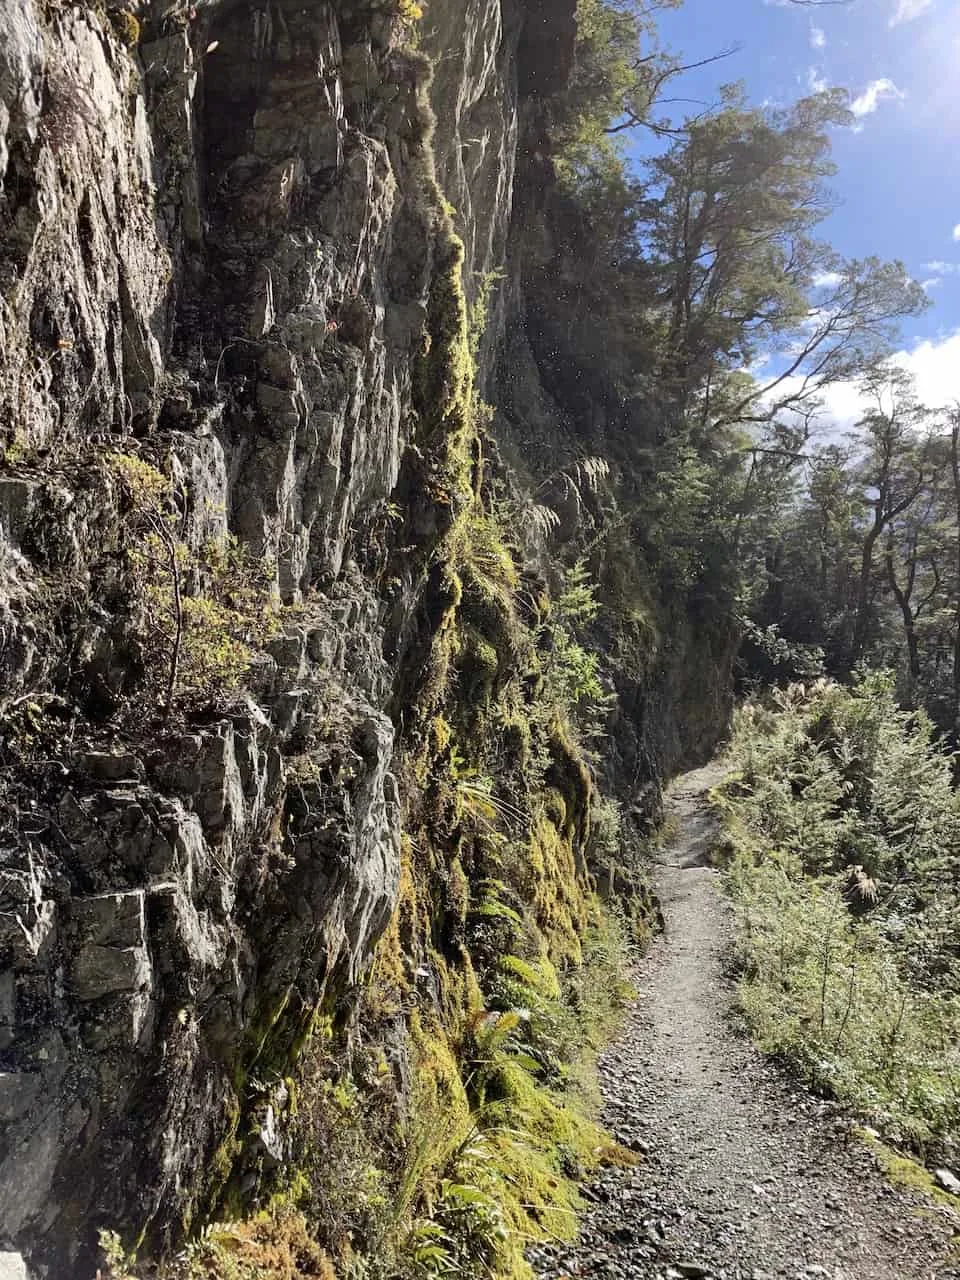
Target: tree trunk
x,y
909,621
863,592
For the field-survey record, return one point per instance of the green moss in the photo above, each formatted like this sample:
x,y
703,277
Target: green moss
x,y
440,1111
559,897
554,807
127,27
479,665
446,592
297,1191
440,736
219,1168
264,1034
906,1173
444,370
443,386
570,775
458,893
516,739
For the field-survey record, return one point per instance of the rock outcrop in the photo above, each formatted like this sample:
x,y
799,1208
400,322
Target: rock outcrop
x,y
225,264
218,232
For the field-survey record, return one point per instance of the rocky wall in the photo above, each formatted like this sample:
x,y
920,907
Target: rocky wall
x,y
235,244
218,231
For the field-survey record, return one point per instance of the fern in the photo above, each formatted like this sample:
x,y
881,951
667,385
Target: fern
x,y
537,521
588,472
846,828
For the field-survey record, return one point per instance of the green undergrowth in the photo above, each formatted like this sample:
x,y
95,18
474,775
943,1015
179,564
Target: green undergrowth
x,y
501,964
500,1126
452,1173
843,832
200,614
271,1245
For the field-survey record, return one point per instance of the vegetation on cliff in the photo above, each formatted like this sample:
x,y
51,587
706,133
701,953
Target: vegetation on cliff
x,y
444,1124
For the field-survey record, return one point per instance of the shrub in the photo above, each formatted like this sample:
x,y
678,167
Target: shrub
x,y
268,1246
846,836
202,613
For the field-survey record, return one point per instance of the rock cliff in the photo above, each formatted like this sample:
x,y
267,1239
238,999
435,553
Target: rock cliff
x,y
241,248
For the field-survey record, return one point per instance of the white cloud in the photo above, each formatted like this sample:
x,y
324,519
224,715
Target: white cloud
x,y
956,232
940,268
934,363
933,283
843,407
818,38
907,10
827,280
877,91
815,81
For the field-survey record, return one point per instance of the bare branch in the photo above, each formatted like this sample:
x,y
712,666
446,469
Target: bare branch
x,y
631,119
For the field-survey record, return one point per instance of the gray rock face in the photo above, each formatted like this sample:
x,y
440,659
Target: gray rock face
x,y
475,97
216,259
218,244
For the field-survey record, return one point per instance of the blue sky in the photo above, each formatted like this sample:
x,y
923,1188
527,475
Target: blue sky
x,y
898,179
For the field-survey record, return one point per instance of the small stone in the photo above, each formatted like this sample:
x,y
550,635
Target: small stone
x,y
949,1181
105,766
13,1267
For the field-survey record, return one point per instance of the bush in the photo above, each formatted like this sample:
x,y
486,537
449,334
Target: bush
x,y
265,1247
202,613
846,836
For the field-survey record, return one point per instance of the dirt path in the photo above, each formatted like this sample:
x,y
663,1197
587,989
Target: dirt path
x,y
742,1176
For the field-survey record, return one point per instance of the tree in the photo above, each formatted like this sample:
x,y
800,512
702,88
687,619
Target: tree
x,y
832,511
799,562
913,573
852,318
893,473
742,280
619,72
739,197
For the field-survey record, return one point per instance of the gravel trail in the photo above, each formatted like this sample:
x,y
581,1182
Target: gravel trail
x,y
742,1174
